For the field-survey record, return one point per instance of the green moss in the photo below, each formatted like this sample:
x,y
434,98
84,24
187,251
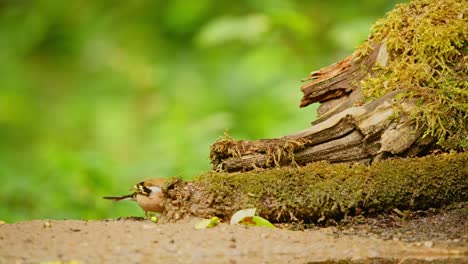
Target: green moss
x,y
320,191
428,56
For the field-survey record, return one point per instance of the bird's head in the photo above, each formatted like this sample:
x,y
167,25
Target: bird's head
x,y
147,187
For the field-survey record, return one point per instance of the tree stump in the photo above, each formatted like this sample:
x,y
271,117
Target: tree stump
x,y
371,108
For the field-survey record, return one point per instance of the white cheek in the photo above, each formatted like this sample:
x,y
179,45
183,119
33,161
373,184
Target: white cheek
x,y
155,190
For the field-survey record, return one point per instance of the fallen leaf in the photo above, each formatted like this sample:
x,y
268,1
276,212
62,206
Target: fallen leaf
x,y
241,214
256,221
260,221
248,217
248,220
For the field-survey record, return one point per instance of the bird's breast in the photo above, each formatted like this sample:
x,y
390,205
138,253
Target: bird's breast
x,y
151,203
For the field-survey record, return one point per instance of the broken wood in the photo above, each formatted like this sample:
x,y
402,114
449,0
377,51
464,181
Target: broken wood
x,y
393,96
346,130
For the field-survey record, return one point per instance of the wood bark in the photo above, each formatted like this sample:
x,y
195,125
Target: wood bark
x,y
348,129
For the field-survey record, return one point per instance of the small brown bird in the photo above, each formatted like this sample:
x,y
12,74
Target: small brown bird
x,y
148,194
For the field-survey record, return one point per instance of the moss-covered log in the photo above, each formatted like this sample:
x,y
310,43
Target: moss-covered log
x,y
402,93
321,191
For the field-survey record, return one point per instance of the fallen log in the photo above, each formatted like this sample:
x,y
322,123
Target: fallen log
x,y
321,192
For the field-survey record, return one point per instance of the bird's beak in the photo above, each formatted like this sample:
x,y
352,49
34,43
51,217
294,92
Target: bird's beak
x,y
134,188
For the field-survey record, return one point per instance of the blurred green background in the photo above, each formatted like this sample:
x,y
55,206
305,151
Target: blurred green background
x,y
98,95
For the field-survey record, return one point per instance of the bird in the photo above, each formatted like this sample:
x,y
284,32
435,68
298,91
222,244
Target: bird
x,y
148,194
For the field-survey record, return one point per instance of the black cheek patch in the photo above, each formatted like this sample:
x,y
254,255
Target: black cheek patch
x,y
143,189
146,190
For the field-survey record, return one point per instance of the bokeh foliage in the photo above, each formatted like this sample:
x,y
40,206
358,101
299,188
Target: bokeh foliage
x,y
97,95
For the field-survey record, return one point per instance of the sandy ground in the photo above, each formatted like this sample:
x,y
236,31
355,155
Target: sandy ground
x,y
440,237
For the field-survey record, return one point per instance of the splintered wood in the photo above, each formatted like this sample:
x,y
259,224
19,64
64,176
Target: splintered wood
x,y
348,129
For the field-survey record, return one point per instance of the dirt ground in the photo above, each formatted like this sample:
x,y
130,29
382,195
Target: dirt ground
x,y
434,236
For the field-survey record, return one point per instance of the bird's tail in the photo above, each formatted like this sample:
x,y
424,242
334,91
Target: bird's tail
x,y
120,198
